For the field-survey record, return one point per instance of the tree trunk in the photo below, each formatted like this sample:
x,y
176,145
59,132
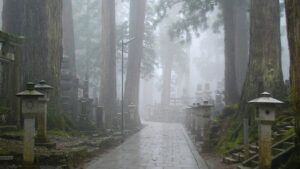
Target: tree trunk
x,y
41,24
293,26
108,61
167,77
265,73
241,42
68,34
231,90
136,30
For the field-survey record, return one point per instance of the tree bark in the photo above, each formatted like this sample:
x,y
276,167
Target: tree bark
x,y
41,24
108,61
69,94
167,67
68,33
293,27
231,89
265,73
136,30
242,34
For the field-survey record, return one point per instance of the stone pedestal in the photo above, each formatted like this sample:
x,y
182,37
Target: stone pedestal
x,y
99,117
29,131
84,109
42,123
265,144
206,133
131,114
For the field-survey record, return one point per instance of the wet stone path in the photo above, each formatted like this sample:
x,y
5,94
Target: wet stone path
x,y
157,146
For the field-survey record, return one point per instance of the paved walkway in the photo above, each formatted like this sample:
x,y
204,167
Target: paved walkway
x,y
157,146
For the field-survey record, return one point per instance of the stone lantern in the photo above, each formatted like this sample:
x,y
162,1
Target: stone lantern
x,y
44,88
266,109
30,107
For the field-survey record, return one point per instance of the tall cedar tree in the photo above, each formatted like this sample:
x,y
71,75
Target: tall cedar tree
x,y
69,48
68,34
264,73
41,24
108,61
136,30
241,42
231,90
293,27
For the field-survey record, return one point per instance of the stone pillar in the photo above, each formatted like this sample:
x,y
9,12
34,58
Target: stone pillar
x,y
265,144
206,114
131,113
29,131
42,122
44,88
206,132
99,117
246,136
83,113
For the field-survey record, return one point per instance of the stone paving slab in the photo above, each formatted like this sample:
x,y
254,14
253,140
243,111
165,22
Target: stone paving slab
x,y
157,146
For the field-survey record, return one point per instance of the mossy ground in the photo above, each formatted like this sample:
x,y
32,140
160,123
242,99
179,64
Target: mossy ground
x,y
231,134
231,123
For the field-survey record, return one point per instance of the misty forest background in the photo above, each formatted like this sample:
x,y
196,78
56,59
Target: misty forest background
x,y
178,45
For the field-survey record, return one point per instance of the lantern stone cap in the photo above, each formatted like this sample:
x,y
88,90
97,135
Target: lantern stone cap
x,y
30,91
42,85
266,98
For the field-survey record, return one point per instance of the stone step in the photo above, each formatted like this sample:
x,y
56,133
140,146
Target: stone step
x,y
239,156
6,158
242,167
251,152
8,128
288,144
254,162
276,134
229,160
283,131
289,127
254,147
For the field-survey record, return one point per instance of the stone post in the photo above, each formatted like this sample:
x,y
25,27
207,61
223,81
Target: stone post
x,y
83,113
99,117
266,107
30,107
131,112
42,116
206,114
29,130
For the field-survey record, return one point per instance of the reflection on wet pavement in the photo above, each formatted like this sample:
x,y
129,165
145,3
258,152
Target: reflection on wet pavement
x,y
157,146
